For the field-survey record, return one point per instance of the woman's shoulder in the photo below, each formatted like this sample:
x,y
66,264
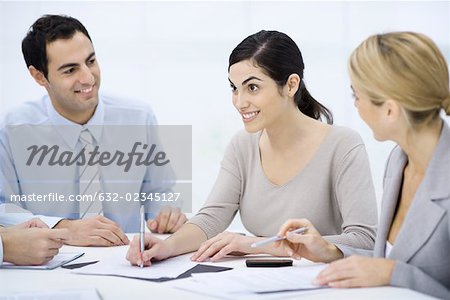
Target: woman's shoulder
x,y
344,137
243,143
245,139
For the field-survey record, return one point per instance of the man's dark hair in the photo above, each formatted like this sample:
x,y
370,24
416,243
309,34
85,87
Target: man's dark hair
x,y
47,29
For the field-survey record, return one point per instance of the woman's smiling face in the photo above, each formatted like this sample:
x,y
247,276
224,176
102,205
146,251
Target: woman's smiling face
x,y
256,96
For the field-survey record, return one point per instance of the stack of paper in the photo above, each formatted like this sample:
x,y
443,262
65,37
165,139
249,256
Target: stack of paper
x,y
117,265
78,294
60,259
248,283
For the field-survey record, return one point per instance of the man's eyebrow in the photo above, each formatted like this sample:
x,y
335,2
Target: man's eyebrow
x,y
69,65
90,56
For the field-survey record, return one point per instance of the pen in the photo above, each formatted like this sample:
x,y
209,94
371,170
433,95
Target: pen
x,y
141,234
273,239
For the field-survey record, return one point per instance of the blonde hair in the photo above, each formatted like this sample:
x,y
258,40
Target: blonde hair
x,y
406,67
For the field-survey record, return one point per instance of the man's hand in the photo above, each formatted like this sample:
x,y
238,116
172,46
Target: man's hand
x,y
95,231
32,246
169,220
35,222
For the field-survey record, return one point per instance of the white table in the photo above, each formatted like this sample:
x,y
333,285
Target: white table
x,y
13,281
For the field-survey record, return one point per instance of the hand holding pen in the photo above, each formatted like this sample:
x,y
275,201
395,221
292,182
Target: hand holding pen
x,y
146,247
308,244
276,238
141,235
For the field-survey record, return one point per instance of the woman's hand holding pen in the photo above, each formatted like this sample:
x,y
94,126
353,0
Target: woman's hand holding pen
x,y
155,249
310,245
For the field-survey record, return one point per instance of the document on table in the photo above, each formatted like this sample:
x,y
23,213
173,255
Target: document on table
x,y
249,283
78,294
60,259
117,265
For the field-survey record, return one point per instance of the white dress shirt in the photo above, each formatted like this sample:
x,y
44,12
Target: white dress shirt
x,y
388,249
1,251
50,128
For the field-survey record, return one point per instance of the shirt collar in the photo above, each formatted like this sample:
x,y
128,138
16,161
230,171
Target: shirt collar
x,y
70,131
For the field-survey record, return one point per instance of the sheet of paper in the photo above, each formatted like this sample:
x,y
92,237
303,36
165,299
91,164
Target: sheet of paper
x,y
117,265
250,283
57,261
79,294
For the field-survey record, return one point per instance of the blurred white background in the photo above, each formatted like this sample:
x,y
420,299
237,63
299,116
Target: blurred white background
x,y
174,55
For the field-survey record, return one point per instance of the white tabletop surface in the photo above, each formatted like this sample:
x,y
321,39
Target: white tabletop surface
x,y
110,287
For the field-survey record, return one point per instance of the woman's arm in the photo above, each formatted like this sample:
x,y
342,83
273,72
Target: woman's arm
x,y
185,240
355,197
409,276
214,217
357,271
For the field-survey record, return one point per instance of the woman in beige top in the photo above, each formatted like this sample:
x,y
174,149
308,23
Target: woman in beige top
x,y
287,164
401,86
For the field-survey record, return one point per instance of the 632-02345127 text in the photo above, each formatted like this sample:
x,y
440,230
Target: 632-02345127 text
x,y
99,196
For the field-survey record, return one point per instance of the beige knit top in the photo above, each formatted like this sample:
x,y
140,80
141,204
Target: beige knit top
x,y
334,191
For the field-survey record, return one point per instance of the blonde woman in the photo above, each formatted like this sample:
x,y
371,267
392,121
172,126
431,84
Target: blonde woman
x,y
401,83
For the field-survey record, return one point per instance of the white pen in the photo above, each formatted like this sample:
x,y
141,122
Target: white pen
x,y
141,234
273,239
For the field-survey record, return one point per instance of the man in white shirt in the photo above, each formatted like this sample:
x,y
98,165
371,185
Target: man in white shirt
x,y
30,243
60,57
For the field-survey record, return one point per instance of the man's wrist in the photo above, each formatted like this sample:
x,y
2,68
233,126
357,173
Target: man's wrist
x,y
63,223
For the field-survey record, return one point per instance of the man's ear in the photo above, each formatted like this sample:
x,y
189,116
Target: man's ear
x,y
38,76
293,84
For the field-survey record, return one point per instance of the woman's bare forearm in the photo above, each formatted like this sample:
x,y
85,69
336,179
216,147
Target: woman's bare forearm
x,y
187,239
